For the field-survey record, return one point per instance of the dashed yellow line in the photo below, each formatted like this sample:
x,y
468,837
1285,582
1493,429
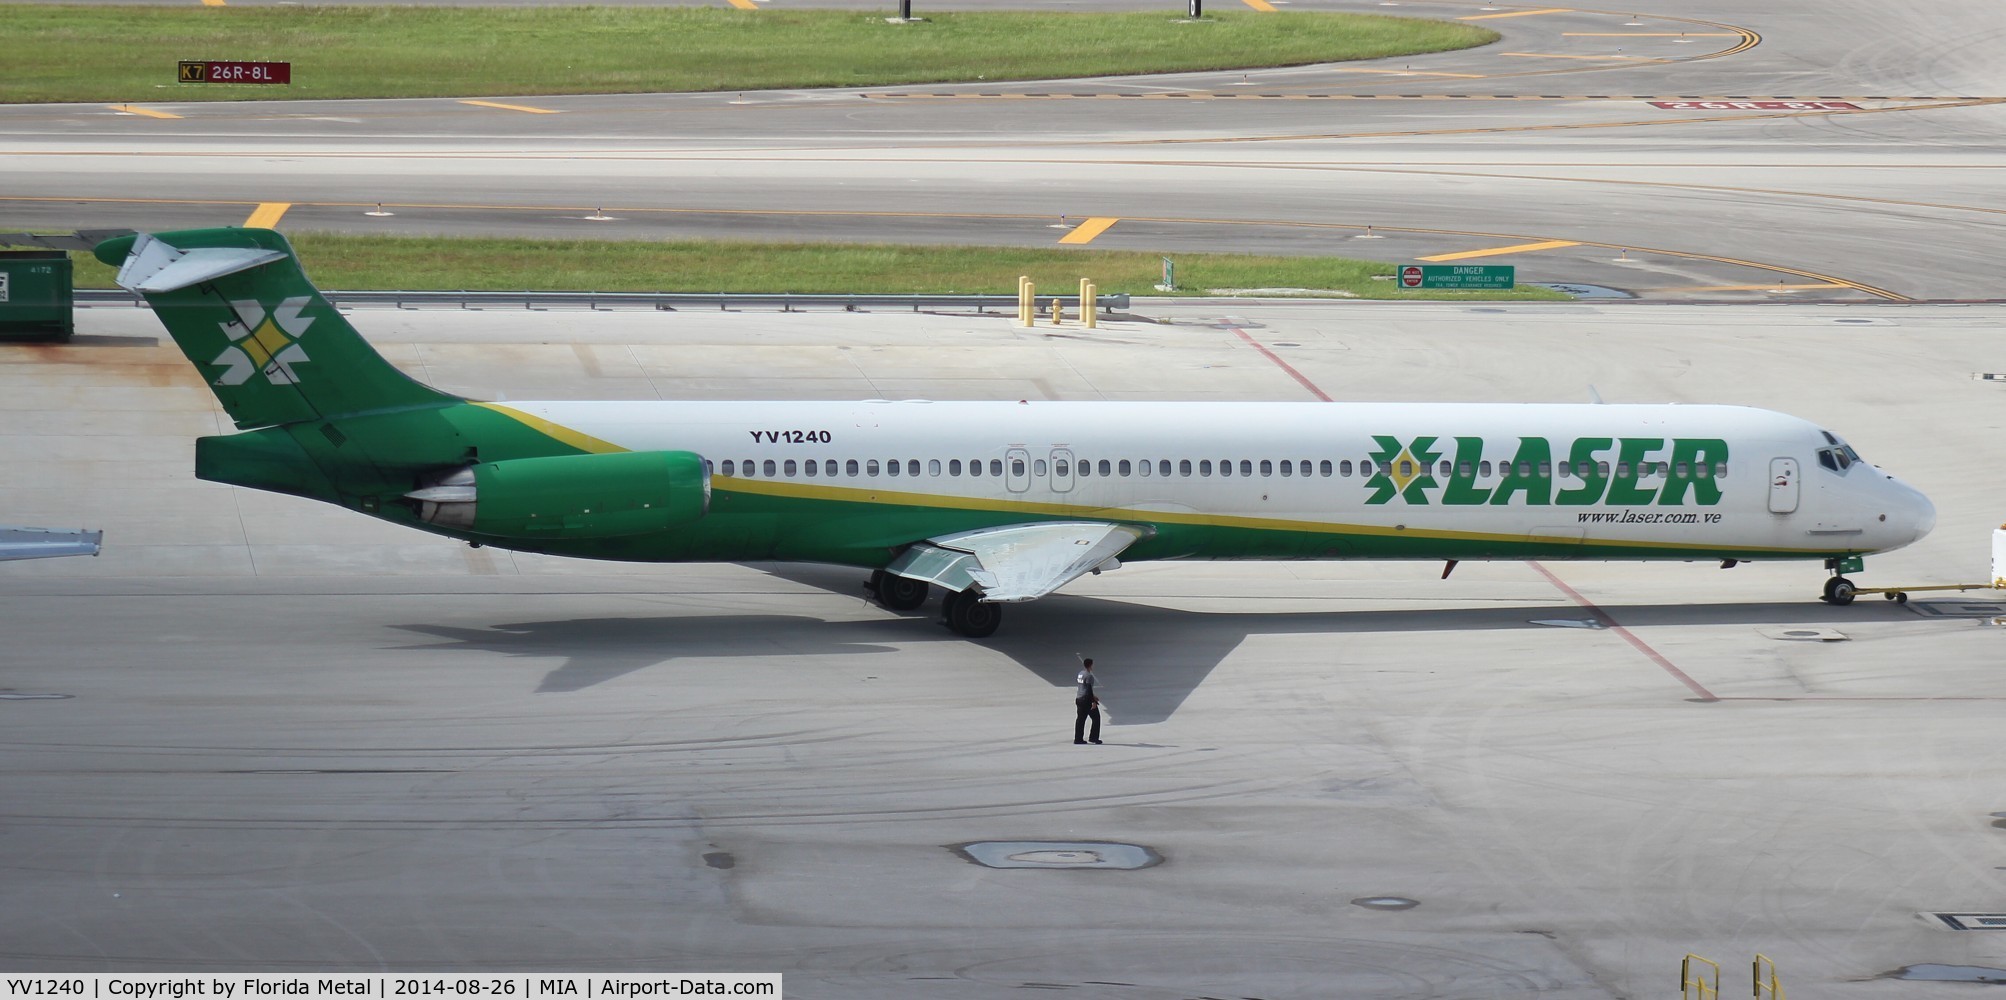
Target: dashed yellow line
x,y
1495,251
1086,231
1517,13
134,109
267,215
1261,5
513,107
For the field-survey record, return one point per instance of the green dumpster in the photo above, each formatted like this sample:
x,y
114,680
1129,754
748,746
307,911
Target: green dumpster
x,y
36,302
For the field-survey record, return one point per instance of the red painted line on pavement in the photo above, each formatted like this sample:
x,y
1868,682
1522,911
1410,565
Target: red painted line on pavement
x,y
1628,636
1300,378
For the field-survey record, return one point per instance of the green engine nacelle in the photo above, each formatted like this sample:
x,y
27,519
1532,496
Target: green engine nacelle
x,y
570,496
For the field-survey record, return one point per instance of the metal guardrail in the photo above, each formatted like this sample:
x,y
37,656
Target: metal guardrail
x,y
663,301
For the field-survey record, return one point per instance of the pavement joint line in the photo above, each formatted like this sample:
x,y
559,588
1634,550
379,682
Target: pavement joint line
x,y
1086,231
1496,251
267,215
526,109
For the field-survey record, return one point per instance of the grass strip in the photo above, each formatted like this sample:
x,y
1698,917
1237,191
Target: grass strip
x,y
128,53
419,263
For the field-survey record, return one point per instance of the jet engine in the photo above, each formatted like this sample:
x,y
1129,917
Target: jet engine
x,y
607,495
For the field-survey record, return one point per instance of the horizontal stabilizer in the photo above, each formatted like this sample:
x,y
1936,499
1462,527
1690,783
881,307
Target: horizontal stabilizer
x,y
44,543
152,266
1017,562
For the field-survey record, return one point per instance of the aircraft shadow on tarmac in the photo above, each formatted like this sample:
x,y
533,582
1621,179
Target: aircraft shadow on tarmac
x,y
1151,658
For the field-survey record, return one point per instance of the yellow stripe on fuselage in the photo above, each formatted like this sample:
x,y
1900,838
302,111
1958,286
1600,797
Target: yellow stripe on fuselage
x,y
576,439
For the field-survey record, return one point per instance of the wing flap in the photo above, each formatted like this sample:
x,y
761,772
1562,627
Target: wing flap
x,y
1017,562
44,543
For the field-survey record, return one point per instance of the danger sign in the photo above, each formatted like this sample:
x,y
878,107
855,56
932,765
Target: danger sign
x,y
1410,276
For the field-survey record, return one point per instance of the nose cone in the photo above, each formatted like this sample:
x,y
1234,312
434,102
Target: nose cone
x,y
1923,513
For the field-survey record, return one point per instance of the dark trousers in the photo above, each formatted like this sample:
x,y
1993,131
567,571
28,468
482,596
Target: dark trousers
x,y
1087,710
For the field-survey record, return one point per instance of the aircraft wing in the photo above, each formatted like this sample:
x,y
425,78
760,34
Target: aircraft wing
x,y
1018,562
44,543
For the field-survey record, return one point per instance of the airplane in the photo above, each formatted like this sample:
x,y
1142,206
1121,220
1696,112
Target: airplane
x,y
989,502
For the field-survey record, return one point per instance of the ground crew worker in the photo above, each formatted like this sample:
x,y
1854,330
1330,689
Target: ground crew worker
x,y
1086,705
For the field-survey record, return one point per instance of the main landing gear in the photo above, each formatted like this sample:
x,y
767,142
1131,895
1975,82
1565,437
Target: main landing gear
x,y
967,614
896,592
962,611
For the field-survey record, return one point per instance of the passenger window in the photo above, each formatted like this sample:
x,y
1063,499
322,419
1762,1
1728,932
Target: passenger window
x,y
891,467
1623,470
809,467
1106,469
1204,466
1038,467
1484,468
829,468
772,468
871,467
933,467
1287,471
1183,466
1141,468
1065,468
954,466
1016,466
1602,469
1444,468
912,466
1325,468
728,467
850,467
1463,469
1225,467
1720,470
1344,467
1163,468
1682,470
1546,470
1122,467
1406,469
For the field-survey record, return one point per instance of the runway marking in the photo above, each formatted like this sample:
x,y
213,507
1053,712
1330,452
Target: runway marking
x,y
1628,636
513,107
1086,231
1517,13
1496,251
744,4
1556,55
212,3
1261,5
1650,34
1747,288
267,215
134,109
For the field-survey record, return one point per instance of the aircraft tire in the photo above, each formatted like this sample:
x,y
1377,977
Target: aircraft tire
x,y
1838,590
897,592
968,615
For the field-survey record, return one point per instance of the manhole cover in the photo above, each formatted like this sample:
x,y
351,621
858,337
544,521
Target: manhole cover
x,y
1948,973
1386,902
1806,634
1058,854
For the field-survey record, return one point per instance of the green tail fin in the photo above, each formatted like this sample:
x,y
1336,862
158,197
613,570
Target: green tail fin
x,y
274,351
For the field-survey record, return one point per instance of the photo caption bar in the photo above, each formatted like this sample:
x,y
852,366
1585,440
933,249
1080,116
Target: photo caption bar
x,y
514,986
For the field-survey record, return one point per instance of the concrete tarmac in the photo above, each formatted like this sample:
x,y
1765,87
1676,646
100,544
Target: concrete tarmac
x,y
262,734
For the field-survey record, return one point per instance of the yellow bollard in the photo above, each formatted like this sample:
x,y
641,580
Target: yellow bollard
x,y
1027,302
1058,310
1089,305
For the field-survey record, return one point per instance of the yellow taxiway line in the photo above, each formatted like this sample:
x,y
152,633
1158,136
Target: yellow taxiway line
x,y
1650,34
1261,5
134,109
1517,13
1495,251
212,3
1086,231
744,4
513,107
267,214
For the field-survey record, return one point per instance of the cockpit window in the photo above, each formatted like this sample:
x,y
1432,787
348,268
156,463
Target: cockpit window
x,y
1840,456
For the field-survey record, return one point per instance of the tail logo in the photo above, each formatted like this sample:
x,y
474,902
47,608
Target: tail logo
x,y
267,343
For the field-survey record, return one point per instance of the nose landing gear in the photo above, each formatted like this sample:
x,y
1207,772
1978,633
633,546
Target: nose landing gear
x,y
1839,590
